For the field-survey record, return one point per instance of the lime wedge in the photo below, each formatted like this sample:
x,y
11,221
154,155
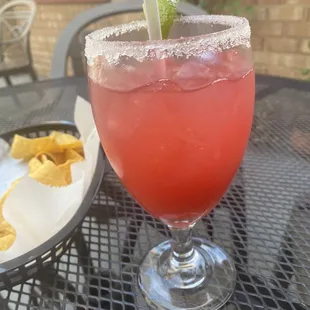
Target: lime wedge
x,y
167,13
160,15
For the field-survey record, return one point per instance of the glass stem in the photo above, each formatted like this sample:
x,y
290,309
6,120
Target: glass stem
x,y
183,249
184,264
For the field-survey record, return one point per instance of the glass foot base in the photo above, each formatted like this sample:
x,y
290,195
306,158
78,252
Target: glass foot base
x,y
207,283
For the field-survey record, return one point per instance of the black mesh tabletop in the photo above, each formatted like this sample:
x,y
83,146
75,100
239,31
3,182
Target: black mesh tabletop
x,y
263,221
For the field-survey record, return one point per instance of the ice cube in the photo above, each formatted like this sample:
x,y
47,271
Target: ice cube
x,y
194,75
209,57
235,63
125,76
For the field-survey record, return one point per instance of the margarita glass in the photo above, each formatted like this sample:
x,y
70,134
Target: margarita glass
x,y
174,118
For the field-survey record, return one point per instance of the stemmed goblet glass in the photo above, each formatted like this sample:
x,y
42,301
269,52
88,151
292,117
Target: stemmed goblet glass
x,y
174,118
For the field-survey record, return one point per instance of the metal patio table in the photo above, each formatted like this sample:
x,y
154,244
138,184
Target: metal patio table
x,y
263,221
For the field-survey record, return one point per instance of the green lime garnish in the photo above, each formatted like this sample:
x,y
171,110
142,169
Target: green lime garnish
x,y
167,13
160,16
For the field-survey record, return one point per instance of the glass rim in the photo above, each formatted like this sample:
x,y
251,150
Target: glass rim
x,y
238,32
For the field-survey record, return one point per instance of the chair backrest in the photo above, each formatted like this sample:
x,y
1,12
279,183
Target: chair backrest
x,y
69,35
16,18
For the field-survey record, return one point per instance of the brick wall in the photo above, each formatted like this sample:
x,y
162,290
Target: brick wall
x,y
50,20
281,34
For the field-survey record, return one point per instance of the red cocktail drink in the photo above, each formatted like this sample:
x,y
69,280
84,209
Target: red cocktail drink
x,y
174,118
176,150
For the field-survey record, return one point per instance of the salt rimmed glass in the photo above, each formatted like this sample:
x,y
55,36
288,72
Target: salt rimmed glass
x,y
174,118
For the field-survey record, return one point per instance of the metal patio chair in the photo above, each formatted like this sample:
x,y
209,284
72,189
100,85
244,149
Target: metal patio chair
x,y
16,18
68,44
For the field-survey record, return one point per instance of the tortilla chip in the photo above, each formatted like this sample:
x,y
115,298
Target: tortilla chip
x,y
7,235
73,155
43,158
66,170
50,159
34,164
57,158
79,150
24,148
66,141
50,174
7,232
